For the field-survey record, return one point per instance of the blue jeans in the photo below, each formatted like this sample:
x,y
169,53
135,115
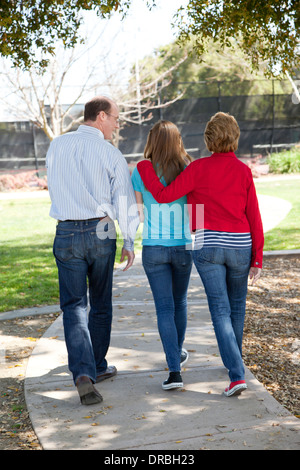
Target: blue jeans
x,y
224,273
168,270
85,250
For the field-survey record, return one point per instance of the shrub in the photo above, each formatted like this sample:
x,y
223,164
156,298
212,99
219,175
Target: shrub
x,y
285,162
255,166
22,180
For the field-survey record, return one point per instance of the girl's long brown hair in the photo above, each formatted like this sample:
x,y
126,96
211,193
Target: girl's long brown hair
x,y
164,147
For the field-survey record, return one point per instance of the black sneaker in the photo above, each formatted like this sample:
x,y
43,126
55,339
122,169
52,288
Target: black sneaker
x,y
174,381
184,357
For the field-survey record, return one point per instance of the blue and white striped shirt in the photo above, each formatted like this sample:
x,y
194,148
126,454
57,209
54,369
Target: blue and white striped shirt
x,y
211,238
87,178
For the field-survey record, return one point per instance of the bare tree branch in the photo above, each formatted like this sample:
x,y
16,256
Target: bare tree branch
x,y
40,94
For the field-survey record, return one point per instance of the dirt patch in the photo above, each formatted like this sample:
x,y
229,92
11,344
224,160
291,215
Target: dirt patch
x,y
271,349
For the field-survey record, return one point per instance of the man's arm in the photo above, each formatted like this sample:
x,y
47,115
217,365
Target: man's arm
x,y
124,202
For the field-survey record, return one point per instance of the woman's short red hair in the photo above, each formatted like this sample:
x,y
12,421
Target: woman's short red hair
x,y
222,133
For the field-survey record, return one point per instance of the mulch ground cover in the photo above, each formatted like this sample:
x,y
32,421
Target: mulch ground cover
x,y
271,336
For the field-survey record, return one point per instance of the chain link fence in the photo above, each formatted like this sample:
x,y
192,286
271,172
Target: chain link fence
x,y
268,113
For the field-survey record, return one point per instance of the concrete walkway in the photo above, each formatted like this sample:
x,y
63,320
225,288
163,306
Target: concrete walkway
x,y
136,413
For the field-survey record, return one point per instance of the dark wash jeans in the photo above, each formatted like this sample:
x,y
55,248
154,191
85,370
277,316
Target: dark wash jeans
x,y
168,270
224,273
85,250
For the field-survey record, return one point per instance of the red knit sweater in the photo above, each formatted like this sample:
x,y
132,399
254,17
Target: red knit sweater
x,y
224,187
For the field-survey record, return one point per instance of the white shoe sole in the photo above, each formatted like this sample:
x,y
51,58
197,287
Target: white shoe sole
x,y
236,390
172,385
186,359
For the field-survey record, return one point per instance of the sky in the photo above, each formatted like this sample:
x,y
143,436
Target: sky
x,y
138,35
150,28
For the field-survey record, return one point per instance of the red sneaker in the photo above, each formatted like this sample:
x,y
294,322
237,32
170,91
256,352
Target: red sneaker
x,y
235,388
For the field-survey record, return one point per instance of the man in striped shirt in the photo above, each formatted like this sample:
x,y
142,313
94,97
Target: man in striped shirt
x,y
90,186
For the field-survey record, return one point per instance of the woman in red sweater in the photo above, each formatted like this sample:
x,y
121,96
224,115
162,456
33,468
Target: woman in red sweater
x,y
225,217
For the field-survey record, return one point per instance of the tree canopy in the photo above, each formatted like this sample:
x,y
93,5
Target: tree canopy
x,y
30,26
268,31
223,71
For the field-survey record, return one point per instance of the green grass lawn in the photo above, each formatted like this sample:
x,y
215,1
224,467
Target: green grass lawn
x,y
286,236
28,273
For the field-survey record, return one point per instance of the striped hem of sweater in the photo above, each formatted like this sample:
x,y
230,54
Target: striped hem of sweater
x,y
210,238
